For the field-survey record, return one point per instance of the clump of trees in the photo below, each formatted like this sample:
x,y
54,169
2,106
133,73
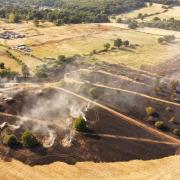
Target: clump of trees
x,y
7,73
80,124
61,12
119,43
27,139
169,24
50,66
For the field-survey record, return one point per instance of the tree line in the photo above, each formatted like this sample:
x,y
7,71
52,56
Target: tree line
x,y
71,12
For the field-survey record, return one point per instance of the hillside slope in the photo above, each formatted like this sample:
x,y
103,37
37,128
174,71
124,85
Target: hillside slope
x,y
166,168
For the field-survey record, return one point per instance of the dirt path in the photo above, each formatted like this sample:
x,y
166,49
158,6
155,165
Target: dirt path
x,y
122,116
126,91
130,138
97,134
114,75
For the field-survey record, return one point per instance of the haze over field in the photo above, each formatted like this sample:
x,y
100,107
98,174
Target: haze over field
x,y
89,89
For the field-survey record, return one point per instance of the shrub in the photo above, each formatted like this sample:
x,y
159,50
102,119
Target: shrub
x,y
150,119
150,111
119,20
80,124
169,109
29,140
172,120
176,131
10,140
133,25
2,66
159,124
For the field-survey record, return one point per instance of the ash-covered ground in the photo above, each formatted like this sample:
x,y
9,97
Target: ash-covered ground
x,y
113,101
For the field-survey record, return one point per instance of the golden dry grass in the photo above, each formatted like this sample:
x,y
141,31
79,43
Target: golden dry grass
x,y
166,169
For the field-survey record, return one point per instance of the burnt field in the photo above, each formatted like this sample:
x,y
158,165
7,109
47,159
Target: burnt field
x,y
112,99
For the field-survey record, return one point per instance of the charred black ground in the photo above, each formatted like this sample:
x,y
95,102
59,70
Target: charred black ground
x,y
109,138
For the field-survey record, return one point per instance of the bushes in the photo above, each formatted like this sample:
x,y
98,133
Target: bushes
x,y
151,111
7,73
80,124
28,140
10,140
176,132
159,124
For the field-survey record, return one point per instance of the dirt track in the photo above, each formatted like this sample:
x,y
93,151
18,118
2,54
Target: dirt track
x,y
123,117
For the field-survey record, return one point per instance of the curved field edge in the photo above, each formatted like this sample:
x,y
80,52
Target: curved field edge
x,y
166,168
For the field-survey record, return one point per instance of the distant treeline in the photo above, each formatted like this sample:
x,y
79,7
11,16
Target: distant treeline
x,y
65,12
169,24
165,2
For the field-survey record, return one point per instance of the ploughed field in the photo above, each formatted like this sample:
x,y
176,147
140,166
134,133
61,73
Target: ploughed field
x,y
112,99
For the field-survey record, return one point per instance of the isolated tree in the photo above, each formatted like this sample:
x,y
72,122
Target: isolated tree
x,y
133,25
140,16
36,22
126,43
2,66
25,71
10,140
160,40
29,140
107,46
61,59
118,42
13,18
150,3
156,19
119,20
80,124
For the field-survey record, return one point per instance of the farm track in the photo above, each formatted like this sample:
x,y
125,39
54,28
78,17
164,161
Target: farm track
x,y
126,91
97,134
129,138
113,75
121,116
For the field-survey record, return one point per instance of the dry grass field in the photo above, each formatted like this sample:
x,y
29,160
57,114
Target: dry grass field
x,y
167,169
50,41
155,8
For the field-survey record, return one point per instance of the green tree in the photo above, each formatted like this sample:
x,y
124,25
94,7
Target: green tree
x,y
126,43
159,124
107,46
133,25
10,140
29,140
13,18
118,43
2,66
36,22
80,124
25,71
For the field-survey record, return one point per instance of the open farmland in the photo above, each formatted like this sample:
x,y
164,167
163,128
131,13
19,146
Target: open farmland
x,y
49,41
155,10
